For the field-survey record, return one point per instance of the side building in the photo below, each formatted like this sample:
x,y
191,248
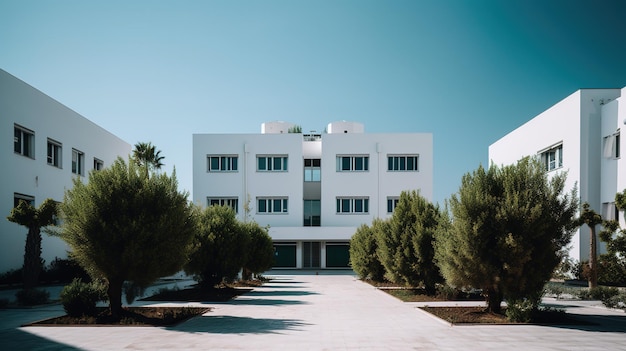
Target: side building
x,y
312,190
579,135
46,146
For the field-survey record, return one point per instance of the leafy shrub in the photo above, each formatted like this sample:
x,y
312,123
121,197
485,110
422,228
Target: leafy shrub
x,y
363,256
11,277
80,298
64,271
617,301
31,297
521,311
601,293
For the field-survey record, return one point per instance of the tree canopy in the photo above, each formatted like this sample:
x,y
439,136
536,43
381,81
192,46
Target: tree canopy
x,y
507,232
146,154
124,225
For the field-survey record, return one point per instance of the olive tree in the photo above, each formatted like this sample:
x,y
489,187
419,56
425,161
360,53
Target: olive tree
x,y
260,251
127,225
507,231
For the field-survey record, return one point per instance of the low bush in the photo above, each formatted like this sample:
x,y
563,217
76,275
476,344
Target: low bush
x,y
80,298
521,311
601,293
31,297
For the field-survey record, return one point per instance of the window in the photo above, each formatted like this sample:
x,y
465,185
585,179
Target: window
x,y
231,202
611,146
352,205
610,212
78,162
402,163
352,163
24,141
97,164
312,170
392,202
54,153
272,205
271,163
222,163
552,158
17,197
312,213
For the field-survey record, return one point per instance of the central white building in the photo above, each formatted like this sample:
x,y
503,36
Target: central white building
x,y
312,190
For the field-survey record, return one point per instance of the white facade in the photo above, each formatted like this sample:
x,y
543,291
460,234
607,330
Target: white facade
x,y
579,135
46,146
320,187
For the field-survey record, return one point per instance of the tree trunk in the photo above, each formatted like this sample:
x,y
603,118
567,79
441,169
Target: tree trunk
x,y
32,258
593,259
246,274
494,301
114,291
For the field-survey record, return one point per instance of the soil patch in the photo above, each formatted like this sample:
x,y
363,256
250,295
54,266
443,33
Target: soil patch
x,y
478,315
197,294
131,316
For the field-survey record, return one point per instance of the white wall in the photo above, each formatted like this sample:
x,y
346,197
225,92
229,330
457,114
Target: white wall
x,y
26,106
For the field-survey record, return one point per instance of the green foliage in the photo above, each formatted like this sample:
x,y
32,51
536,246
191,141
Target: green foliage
x,y
406,248
220,247
79,299
295,129
260,253
601,293
363,253
32,297
125,225
146,154
509,227
521,311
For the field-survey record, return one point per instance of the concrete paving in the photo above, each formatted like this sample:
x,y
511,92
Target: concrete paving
x,y
300,311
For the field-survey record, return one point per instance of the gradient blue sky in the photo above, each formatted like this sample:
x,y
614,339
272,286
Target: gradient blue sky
x,y
467,71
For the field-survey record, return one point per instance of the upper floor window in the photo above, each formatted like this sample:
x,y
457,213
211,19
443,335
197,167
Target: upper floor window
x,y
97,164
17,197
610,212
352,163
312,170
402,163
24,141
222,163
231,202
392,202
54,153
552,158
272,205
353,204
78,162
611,146
271,163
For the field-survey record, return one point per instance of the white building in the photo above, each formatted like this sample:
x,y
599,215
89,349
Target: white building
x,y
313,190
46,146
579,135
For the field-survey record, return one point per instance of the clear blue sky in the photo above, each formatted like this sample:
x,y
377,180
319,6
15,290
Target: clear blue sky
x,y
467,71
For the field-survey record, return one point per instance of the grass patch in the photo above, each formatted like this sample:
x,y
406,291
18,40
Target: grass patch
x,y
478,315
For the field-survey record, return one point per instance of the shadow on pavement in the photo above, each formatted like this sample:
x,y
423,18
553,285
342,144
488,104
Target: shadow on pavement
x,y
280,293
596,323
17,339
265,302
238,325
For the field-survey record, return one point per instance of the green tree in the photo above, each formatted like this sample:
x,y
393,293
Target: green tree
x,y
260,255
406,249
124,225
612,235
592,219
295,129
146,154
363,252
220,247
508,229
34,219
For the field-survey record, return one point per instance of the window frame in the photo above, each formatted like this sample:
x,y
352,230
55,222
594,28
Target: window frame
x,y
269,205
392,203
25,140
347,205
226,163
230,201
349,163
611,146
271,161
19,196
551,164
78,165
312,170
400,162
54,152
98,164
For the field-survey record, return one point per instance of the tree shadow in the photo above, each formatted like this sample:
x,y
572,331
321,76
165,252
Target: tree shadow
x,y
238,325
265,302
280,293
595,323
18,339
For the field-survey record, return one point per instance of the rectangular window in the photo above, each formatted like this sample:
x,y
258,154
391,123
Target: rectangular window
x,y
347,205
392,202
312,170
271,163
222,163
610,212
17,197
272,205
78,162
312,213
402,163
352,163
231,202
24,141
54,153
552,158
611,146
97,164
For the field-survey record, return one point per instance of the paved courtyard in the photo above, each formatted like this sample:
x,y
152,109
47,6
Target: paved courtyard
x,y
305,311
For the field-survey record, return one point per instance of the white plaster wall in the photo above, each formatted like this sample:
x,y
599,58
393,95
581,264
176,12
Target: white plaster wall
x,y
28,107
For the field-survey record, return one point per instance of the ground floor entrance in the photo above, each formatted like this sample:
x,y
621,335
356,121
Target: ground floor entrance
x,y
311,254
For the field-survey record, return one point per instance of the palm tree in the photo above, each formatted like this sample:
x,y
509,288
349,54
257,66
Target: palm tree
x,y
146,154
589,217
